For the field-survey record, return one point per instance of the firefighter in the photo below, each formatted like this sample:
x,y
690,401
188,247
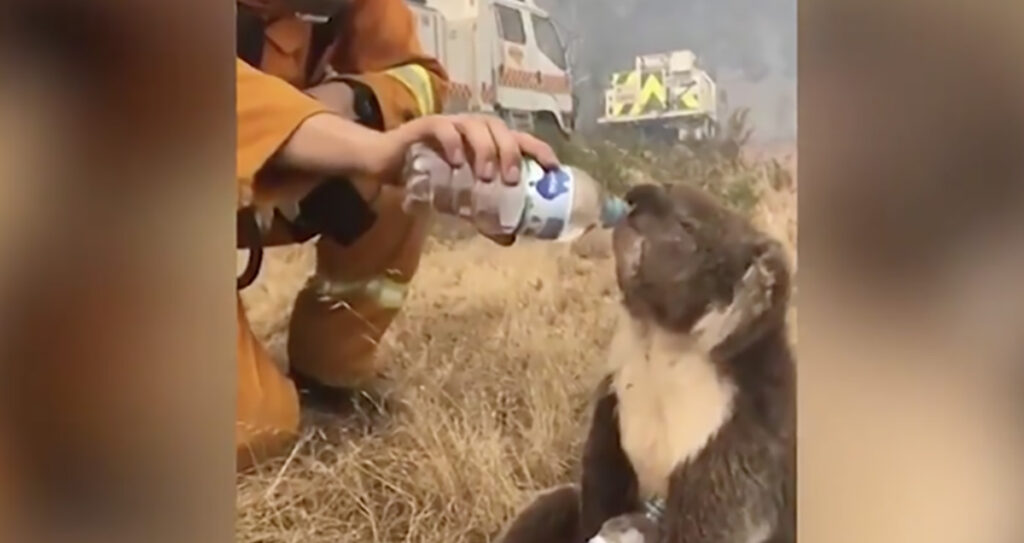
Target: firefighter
x,y
367,66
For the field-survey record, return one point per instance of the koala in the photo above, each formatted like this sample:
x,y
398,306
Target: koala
x,y
697,410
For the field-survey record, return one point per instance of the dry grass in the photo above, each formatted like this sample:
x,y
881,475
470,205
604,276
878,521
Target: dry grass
x,y
491,365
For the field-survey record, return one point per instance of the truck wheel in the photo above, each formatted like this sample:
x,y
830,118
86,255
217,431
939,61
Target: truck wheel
x,y
711,129
700,133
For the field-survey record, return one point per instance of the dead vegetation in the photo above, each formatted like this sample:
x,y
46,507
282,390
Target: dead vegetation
x,y
491,366
624,157
489,372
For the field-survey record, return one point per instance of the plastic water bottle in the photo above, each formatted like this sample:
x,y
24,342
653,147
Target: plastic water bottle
x,y
558,205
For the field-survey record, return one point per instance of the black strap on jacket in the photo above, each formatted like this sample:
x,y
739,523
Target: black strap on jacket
x,y
334,208
249,231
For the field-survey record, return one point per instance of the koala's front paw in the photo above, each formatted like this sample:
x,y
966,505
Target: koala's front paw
x,y
631,528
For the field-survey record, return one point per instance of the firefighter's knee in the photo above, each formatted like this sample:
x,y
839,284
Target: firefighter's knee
x,y
344,310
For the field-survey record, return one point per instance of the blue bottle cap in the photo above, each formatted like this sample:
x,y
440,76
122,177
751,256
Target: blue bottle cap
x,y
613,211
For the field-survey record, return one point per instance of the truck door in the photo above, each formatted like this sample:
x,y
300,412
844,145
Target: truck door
x,y
514,48
549,53
549,68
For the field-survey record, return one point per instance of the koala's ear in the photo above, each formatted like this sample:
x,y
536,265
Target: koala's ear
x,y
771,254
763,288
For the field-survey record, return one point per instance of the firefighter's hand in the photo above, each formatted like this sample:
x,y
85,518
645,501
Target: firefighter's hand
x,y
496,151
493,150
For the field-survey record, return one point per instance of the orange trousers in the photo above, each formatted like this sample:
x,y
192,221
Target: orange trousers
x,y
337,323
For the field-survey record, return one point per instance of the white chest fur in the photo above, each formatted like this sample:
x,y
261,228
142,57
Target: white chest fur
x,y
671,400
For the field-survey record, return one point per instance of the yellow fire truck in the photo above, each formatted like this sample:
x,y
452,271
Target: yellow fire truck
x,y
664,93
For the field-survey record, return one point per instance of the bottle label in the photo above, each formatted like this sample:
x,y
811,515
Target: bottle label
x,y
548,201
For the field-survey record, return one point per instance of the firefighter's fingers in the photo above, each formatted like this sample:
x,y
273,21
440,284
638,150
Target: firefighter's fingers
x,y
509,154
446,137
480,143
536,148
438,132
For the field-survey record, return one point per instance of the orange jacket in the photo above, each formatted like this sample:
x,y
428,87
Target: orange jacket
x,y
268,110
380,45
377,45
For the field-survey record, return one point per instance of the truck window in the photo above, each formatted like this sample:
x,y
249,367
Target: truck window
x,y
512,28
548,41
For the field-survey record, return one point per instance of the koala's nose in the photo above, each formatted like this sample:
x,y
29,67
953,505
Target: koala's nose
x,y
649,199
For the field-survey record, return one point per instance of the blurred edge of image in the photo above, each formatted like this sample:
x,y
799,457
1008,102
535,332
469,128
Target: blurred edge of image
x,y
117,133
911,221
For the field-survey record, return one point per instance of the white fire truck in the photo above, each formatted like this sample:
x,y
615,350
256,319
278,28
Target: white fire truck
x,y
502,56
